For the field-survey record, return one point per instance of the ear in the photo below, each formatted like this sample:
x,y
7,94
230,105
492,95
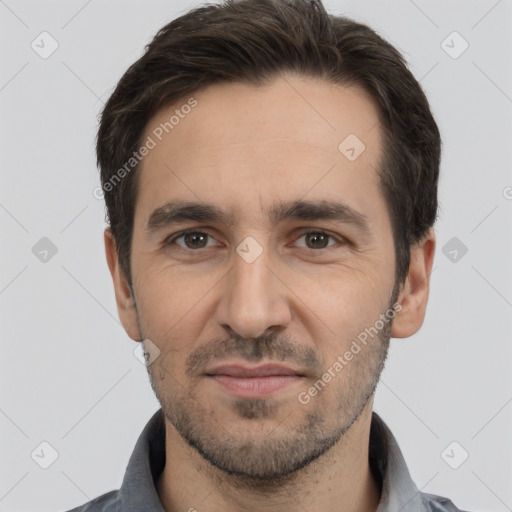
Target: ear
x,y
413,296
125,303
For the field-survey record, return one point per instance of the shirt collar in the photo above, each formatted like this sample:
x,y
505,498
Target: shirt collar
x,y
399,492
138,490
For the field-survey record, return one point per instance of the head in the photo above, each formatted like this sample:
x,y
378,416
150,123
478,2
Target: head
x,y
303,156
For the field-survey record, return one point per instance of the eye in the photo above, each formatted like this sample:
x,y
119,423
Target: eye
x,y
191,239
315,239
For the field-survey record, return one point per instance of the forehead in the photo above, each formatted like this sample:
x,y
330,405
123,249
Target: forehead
x,y
241,145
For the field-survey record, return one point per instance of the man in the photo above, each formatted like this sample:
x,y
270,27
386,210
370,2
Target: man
x,y
270,175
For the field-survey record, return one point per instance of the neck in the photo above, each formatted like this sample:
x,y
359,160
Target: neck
x,y
341,479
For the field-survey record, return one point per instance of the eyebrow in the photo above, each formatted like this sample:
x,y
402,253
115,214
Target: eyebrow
x,y
184,211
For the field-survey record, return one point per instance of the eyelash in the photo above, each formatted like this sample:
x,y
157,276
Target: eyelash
x,y
169,241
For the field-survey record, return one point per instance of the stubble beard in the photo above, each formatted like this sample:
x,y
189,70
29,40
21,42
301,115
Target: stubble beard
x,y
262,461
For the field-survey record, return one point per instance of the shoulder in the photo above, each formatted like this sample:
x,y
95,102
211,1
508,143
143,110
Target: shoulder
x,y
108,502
434,503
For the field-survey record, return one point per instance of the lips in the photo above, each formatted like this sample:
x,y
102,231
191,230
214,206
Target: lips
x,y
267,370
258,382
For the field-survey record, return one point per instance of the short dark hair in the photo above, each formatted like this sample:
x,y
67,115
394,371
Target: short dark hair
x,y
253,42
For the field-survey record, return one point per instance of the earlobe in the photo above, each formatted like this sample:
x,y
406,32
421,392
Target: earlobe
x,y
123,293
413,297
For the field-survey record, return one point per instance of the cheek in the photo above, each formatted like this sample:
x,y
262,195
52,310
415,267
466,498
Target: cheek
x,y
360,285
172,306
340,303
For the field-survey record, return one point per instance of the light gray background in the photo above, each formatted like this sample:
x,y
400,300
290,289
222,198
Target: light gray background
x,y
68,374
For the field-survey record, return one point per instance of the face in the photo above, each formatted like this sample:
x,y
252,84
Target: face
x,y
288,261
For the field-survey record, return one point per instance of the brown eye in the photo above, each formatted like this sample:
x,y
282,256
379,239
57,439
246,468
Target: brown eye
x,y
192,240
195,240
317,240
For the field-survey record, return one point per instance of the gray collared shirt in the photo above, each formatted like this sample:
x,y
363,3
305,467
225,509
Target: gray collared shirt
x,y
138,492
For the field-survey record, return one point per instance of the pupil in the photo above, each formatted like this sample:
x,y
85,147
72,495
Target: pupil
x,y
192,238
316,236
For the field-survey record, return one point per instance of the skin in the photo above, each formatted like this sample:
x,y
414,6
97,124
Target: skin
x,y
244,148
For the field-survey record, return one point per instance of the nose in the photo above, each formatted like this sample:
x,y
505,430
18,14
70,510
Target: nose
x,y
254,298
